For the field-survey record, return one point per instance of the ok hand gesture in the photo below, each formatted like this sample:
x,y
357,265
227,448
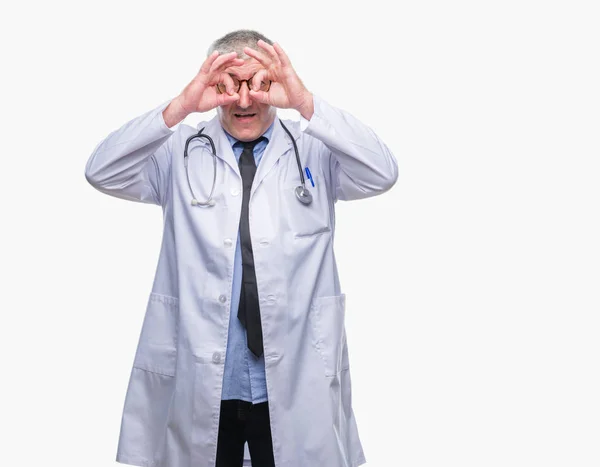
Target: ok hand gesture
x,y
200,95
287,90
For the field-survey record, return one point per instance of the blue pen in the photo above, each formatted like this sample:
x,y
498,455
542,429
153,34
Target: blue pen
x,y
308,174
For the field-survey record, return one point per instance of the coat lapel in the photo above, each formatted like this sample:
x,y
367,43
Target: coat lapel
x,y
280,144
224,151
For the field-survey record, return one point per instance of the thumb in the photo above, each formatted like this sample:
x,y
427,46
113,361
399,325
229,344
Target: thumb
x,y
226,99
260,96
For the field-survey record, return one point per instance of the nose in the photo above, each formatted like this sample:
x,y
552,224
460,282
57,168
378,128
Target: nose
x,y
244,102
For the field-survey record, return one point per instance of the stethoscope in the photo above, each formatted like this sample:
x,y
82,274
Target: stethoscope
x,y
302,192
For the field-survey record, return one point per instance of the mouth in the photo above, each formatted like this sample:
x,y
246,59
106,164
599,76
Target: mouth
x,y
244,118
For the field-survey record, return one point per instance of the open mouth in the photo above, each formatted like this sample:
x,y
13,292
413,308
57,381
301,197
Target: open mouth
x,y
244,117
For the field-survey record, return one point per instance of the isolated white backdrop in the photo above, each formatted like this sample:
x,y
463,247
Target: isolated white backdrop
x,y
472,285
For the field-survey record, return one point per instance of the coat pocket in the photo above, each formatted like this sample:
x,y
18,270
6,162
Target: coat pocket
x,y
327,322
157,347
307,220
151,385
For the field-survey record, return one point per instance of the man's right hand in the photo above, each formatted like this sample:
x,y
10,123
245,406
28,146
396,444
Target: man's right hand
x,y
201,95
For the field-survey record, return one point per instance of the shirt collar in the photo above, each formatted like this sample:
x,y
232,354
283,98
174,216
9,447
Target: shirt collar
x,y
267,134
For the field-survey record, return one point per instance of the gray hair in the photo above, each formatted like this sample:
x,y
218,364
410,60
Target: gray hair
x,y
236,41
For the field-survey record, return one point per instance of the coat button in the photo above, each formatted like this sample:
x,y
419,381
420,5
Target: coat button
x,y
217,357
235,192
228,243
222,298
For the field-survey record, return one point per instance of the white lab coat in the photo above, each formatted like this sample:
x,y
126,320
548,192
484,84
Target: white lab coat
x,y
171,410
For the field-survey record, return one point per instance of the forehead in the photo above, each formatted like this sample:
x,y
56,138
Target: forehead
x,y
249,67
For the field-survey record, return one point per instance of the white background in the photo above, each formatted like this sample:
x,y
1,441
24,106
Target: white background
x,y
473,304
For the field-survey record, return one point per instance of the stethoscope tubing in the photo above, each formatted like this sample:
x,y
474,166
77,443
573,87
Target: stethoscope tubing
x,y
297,154
209,201
302,193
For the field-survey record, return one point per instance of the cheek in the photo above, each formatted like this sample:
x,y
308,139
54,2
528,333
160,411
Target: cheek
x,y
224,109
265,110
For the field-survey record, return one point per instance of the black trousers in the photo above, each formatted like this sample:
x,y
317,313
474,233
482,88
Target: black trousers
x,y
243,421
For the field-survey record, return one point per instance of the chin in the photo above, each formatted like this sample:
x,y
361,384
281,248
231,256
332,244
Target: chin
x,y
245,133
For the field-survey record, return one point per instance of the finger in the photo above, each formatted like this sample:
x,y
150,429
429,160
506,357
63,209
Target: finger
x,y
205,68
226,99
269,49
231,62
285,61
260,96
227,64
262,58
228,82
260,75
219,62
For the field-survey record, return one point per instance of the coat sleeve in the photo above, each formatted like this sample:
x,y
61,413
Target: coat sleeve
x,y
133,162
360,164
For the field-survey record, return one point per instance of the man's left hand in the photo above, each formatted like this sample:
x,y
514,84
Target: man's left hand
x,y
287,90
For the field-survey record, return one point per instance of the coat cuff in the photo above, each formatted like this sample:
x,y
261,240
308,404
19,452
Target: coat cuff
x,y
163,125
317,116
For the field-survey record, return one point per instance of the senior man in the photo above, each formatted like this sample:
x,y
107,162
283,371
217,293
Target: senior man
x,y
243,339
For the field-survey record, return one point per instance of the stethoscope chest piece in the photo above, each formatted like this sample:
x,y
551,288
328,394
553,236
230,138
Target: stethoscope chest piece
x,y
303,195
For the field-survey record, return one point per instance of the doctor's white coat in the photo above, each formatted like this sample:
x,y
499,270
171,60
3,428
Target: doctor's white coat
x,y
171,409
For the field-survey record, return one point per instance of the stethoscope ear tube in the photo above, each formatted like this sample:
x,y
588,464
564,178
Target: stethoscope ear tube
x,y
302,193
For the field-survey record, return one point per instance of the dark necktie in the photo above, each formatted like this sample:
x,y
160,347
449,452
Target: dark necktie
x,y
249,311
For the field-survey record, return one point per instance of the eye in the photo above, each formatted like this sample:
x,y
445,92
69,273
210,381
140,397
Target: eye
x,y
261,86
251,83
